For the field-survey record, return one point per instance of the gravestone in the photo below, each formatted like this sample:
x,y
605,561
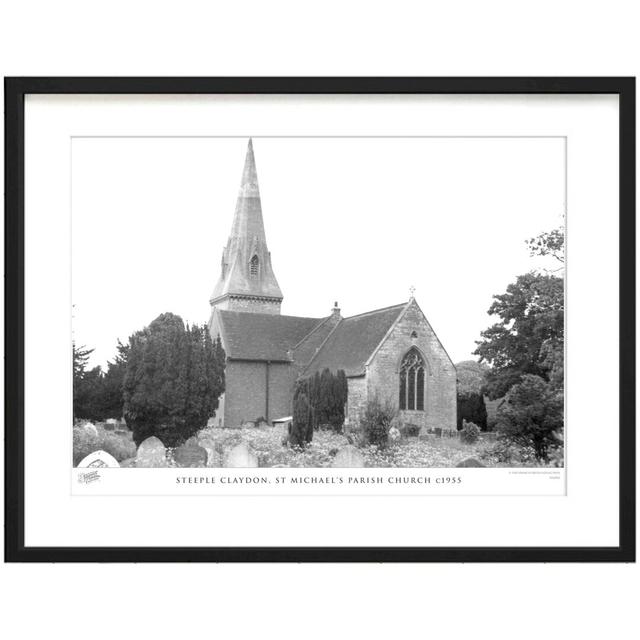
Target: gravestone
x,y
98,459
348,456
241,456
470,462
151,453
214,459
90,429
190,454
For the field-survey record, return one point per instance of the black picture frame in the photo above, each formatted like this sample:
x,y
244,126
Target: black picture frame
x,y
15,91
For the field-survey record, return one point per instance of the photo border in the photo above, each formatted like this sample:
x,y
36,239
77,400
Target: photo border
x,y
15,91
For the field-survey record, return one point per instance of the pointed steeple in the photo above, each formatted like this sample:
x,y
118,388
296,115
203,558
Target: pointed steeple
x,y
247,281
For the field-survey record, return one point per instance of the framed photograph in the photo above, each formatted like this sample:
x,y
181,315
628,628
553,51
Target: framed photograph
x,y
320,319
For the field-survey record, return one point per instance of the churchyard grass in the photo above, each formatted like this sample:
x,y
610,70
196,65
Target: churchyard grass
x,y
266,442
408,452
119,444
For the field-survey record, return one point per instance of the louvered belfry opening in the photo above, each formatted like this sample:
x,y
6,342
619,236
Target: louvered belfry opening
x,y
253,267
412,382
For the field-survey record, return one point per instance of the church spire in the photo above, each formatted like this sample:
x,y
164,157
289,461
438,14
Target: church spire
x,y
247,281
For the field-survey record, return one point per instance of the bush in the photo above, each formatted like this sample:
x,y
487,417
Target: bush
x,y
470,432
376,421
120,446
409,430
506,453
532,415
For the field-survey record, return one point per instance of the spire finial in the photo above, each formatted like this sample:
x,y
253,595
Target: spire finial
x,y
412,291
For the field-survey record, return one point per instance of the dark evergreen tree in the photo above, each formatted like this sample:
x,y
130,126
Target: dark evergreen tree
x,y
314,391
111,399
325,398
472,408
301,432
327,395
336,400
174,378
88,385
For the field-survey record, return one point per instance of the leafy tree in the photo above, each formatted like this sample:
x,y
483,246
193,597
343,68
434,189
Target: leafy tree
x,y
531,327
174,377
471,403
471,375
87,386
80,360
550,243
532,415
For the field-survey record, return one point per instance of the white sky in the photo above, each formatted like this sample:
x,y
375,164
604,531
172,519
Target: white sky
x,y
357,220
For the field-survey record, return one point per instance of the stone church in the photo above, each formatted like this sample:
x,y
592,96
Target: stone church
x,y
392,352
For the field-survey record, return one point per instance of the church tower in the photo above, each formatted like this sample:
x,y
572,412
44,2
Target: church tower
x,y
247,282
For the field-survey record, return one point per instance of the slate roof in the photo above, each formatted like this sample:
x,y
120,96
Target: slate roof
x,y
354,340
261,336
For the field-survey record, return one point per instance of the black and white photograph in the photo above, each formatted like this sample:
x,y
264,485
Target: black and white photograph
x,y
271,302
322,302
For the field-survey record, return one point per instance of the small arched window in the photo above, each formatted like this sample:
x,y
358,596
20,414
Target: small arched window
x,y
253,267
412,382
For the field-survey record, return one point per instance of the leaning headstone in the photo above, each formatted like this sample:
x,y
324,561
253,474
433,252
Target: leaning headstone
x,y
190,454
241,456
348,456
151,453
98,459
470,462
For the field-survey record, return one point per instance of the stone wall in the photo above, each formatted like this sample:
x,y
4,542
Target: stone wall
x,y
357,398
249,304
440,381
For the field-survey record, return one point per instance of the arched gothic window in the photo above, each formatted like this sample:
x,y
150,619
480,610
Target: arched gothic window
x,y
412,381
253,267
